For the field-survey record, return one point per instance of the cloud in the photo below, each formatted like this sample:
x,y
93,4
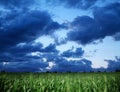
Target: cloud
x,y
24,26
22,62
117,36
17,53
113,64
53,26
75,54
23,53
83,4
109,20
20,25
50,48
29,66
86,29
53,62
17,3
63,65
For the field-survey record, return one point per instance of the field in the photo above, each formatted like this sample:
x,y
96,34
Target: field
x,y
59,82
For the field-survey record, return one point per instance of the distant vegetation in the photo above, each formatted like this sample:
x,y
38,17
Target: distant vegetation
x,y
60,82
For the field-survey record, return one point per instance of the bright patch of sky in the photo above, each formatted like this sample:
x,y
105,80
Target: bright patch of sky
x,y
45,40
108,49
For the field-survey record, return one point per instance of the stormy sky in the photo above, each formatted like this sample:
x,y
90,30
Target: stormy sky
x,y
59,35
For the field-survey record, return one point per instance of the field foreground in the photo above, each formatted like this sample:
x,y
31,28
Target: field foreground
x,y
59,82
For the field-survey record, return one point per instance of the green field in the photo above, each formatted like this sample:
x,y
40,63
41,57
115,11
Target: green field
x,y
59,82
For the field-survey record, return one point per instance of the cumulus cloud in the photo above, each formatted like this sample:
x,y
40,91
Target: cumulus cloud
x,y
53,62
50,48
117,36
28,66
34,60
75,54
113,64
63,65
19,27
106,22
24,26
109,20
85,30
26,58
24,53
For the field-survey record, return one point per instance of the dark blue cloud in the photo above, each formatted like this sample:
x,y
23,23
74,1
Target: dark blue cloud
x,y
23,61
24,26
75,54
63,65
85,30
29,47
50,48
23,53
18,54
28,66
20,25
109,20
53,26
83,4
117,37
18,30
106,22
113,64
16,3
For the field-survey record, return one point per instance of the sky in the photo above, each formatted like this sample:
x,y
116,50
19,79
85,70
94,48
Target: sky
x,y
59,35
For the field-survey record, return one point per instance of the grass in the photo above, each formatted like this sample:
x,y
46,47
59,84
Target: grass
x,y
59,82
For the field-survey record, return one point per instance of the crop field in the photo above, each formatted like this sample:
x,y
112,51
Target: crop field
x,y
60,82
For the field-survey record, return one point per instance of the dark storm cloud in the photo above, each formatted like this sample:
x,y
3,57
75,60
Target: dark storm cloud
x,y
20,25
109,20
29,66
23,53
63,65
24,27
113,64
50,48
85,30
83,4
106,22
70,53
18,54
53,26
28,48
